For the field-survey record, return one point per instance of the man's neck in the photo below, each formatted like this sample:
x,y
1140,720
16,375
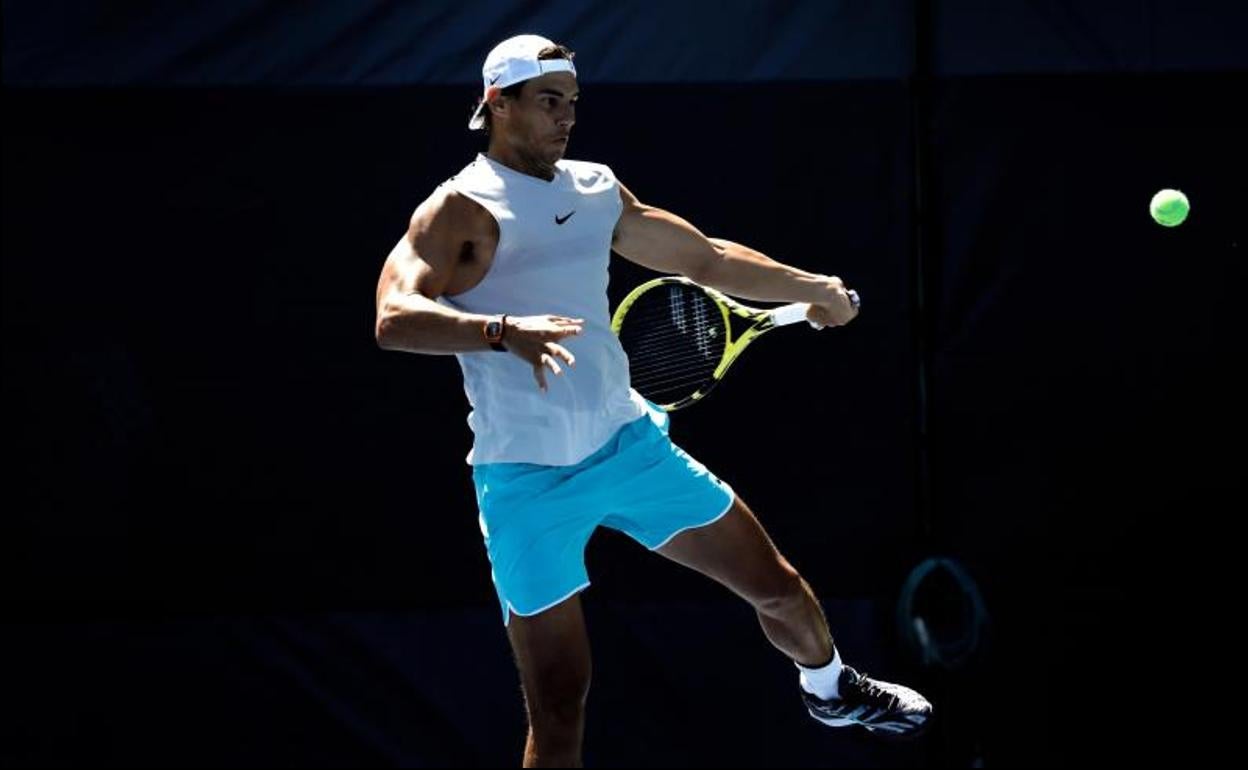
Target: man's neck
x,y
518,161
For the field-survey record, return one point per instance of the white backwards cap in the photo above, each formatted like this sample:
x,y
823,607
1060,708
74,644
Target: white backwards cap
x,y
514,61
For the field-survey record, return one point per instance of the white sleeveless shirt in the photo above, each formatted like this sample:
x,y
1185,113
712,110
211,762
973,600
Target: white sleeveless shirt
x,y
554,245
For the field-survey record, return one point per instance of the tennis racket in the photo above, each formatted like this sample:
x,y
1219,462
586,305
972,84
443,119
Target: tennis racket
x,y
681,337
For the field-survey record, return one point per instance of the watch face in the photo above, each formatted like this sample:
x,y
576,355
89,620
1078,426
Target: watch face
x,y
494,329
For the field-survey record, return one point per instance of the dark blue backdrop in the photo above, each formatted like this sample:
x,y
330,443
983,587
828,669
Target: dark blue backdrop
x,y
236,531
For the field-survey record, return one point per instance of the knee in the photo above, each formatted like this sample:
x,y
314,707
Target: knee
x,y
783,591
557,704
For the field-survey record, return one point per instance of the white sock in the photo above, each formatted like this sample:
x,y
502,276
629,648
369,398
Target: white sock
x,y
822,681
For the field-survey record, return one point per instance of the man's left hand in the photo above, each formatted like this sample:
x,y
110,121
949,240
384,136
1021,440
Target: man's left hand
x,y
838,308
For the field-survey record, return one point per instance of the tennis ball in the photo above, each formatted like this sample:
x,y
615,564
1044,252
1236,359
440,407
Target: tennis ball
x,y
1169,208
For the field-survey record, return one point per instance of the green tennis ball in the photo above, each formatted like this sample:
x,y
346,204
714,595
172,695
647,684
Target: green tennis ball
x,y
1169,208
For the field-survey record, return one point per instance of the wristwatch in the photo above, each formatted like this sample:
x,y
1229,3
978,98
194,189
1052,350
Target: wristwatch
x,y
493,330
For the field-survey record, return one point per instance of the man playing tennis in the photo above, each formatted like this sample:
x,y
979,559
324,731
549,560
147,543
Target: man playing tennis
x,y
505,266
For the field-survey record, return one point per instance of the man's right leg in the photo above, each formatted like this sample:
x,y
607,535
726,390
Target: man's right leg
x,y
552,653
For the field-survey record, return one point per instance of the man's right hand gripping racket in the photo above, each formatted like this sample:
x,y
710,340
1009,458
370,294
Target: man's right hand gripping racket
x,y
681,337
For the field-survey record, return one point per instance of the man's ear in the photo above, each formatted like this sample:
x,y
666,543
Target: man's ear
x,y
492,102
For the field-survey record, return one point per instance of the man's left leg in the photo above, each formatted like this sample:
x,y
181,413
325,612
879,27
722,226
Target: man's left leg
x,y
736,551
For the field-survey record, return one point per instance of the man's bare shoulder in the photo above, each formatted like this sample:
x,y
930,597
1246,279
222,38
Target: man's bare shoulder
x,y
449,212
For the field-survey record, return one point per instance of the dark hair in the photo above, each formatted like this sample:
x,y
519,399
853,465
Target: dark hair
x,y
513,90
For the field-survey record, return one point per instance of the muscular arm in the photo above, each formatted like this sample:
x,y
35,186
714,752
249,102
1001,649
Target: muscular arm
x,y
421,266
417,272
744,272
662,241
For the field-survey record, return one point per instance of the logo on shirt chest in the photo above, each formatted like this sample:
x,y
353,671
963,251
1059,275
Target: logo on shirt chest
x,y
561,219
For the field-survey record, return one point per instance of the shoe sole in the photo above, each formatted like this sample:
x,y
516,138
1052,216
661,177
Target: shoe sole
x,y
875,732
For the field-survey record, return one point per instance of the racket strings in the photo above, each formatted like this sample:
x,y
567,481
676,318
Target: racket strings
x,y
674,341
673,381
679,385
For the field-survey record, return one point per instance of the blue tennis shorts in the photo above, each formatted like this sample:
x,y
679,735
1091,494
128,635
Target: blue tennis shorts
x,y
537,519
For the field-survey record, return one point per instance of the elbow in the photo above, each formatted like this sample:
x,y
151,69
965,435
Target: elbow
x,y
383,332
705,270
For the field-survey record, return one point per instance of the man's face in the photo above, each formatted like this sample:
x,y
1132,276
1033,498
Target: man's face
x,y
539,121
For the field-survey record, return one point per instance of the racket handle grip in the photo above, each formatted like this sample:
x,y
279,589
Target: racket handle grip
x,y
798,311
790,314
